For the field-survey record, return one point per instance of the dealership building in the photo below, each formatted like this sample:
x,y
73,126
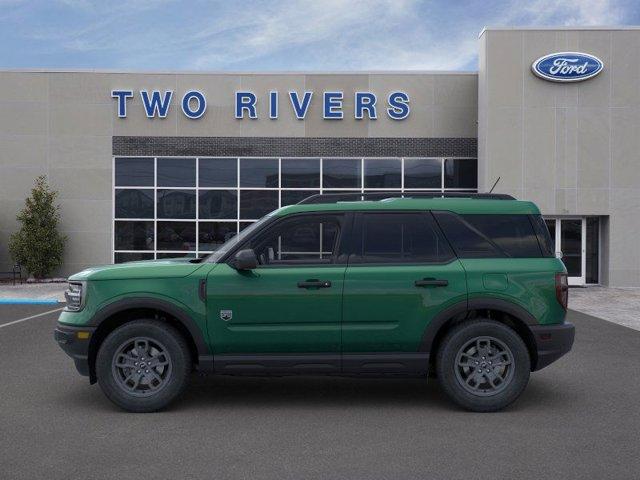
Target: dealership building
x,y
155,165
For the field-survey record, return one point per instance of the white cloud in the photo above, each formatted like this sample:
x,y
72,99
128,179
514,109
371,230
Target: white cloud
x,y
294,35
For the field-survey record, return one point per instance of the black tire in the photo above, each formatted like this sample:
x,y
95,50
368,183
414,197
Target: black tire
x,y
165,378
458,350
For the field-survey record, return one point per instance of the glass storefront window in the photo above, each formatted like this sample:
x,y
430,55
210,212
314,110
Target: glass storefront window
x,y
300,173
423,173
134,172
176,172
218,172
259,172
171,207
341,173
460,173
382,173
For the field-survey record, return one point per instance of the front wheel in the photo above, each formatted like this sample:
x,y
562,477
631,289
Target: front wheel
x,y
483,365
143,365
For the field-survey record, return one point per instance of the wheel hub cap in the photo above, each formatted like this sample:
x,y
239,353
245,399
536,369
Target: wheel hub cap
x,y
141,366
484,366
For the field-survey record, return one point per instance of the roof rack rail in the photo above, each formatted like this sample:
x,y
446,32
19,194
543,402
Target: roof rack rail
x,y
356,196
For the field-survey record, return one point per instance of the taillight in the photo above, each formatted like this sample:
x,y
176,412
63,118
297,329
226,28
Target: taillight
x,y
562,289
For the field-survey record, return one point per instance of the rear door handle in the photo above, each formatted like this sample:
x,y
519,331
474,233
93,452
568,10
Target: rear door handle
x,y
431,282
314,284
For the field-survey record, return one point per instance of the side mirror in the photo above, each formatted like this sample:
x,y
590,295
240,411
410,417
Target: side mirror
x,y
245,260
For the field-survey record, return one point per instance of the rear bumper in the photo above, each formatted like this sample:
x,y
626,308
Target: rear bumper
x,y
552,342
77,347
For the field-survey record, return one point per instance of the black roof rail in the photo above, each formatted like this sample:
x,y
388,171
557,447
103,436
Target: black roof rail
x,y
357,196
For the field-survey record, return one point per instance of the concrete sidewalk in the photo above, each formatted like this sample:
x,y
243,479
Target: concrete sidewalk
x,y
617,305
33,291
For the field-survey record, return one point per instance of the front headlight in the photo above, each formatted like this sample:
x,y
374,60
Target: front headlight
x,y
74,295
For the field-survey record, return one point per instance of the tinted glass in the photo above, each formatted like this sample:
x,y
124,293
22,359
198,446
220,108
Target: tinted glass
x,y
213,234
177,236
487,236
466,240
291,197
382,173
259,172
134,203
300,172
401,238
341,173
121,257
593,239
513,234
176,172
134,172
300,240
422,173
461,173
176,204
218,204
218,172
544,235
133,235
571,242
256,204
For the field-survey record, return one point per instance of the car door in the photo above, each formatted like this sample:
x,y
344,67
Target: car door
x,y
401,273
291,304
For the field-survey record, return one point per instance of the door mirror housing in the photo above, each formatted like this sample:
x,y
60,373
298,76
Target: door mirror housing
x,y
245,260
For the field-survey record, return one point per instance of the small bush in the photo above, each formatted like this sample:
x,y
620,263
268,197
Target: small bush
x,y
38,246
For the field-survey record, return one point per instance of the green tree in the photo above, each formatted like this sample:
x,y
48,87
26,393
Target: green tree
x,y
38,246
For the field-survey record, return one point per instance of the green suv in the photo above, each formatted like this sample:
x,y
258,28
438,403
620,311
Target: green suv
x,y
465,288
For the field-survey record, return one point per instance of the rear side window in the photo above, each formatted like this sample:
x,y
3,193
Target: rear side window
x,y
490,236
544,237
399,238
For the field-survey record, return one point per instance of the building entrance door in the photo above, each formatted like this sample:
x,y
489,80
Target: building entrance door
x,y
570,239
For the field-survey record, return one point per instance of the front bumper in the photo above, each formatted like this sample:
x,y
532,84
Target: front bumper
x,y
552,342
75,343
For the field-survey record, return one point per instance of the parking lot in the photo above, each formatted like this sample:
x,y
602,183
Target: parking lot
x,y
579,418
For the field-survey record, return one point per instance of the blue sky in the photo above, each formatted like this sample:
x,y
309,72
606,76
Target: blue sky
x,y
275,35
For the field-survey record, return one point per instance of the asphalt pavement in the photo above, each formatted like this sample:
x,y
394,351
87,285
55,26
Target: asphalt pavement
x,y
578,418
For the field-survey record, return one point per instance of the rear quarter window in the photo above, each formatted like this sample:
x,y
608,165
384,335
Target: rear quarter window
x,y
491,235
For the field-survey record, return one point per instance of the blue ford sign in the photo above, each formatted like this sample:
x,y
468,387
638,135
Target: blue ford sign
x,y
567,66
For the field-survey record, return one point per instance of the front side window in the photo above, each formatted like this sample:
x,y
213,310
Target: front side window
x,y
400,238
300,240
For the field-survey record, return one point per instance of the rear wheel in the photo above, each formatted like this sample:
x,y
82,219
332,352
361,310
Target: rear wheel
x,y
483,365
143,365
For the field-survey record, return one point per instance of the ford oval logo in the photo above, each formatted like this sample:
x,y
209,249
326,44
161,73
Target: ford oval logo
x,y
567,66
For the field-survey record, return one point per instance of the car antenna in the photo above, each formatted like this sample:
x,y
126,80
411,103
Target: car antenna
x,y
494,185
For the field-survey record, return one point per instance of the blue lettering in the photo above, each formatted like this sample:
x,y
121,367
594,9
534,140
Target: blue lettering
x,y
122,96
366,101
156,105
332,105
246,101
273,105
398,105
300,108
200,100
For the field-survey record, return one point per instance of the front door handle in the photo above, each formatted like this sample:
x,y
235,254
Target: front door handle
x,y
431,282
314,284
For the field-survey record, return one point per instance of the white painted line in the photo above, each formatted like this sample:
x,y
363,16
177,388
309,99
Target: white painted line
x,y
29,318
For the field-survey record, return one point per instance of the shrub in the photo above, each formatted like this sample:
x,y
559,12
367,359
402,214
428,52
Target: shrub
x,y
38,245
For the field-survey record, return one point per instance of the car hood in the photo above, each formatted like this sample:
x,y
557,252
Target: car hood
x,y
166,268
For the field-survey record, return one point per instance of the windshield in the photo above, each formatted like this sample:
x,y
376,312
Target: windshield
x,y
236,240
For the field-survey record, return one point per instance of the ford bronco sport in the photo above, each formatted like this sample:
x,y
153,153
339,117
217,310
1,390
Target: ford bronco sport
x,y
468,289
